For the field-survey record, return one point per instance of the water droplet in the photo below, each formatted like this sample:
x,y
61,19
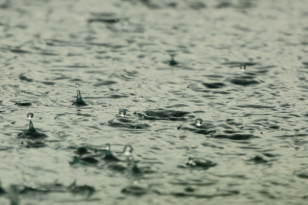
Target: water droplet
x,y
107,147
198,122
128,150
30,115
243,67
141,97
122,112
77,85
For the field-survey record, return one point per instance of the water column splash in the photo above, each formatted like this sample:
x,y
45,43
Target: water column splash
x,y
79,101
31,127
172,62
109,156
198,122
131,164
31,133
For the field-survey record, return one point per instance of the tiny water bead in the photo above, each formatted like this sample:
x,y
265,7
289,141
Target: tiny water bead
x,y
30,115
198,122
122,112
243,67
77,85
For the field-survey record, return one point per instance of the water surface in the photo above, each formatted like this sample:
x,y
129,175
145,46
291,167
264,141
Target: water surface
x,y
166,63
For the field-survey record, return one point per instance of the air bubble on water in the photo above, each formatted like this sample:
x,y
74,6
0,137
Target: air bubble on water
x,y
30,115
198,122
77,85
122,112
243,67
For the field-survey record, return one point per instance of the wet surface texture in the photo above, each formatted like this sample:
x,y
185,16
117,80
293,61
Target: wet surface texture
x,y
147,71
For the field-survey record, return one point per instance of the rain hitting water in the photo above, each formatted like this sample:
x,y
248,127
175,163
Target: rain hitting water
x,y
153,102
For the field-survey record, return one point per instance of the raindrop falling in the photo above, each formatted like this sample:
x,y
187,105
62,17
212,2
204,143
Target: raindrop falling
x,y
198,122
243,67
77,85
30,115
122,112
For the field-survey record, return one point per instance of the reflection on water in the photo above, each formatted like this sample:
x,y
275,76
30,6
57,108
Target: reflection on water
x,y
211,96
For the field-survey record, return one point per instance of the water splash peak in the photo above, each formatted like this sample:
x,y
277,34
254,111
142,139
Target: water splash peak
x,y
31,127
172,62
109,156
31,133
79,101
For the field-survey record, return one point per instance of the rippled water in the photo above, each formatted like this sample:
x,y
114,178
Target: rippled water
x,y
166,63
